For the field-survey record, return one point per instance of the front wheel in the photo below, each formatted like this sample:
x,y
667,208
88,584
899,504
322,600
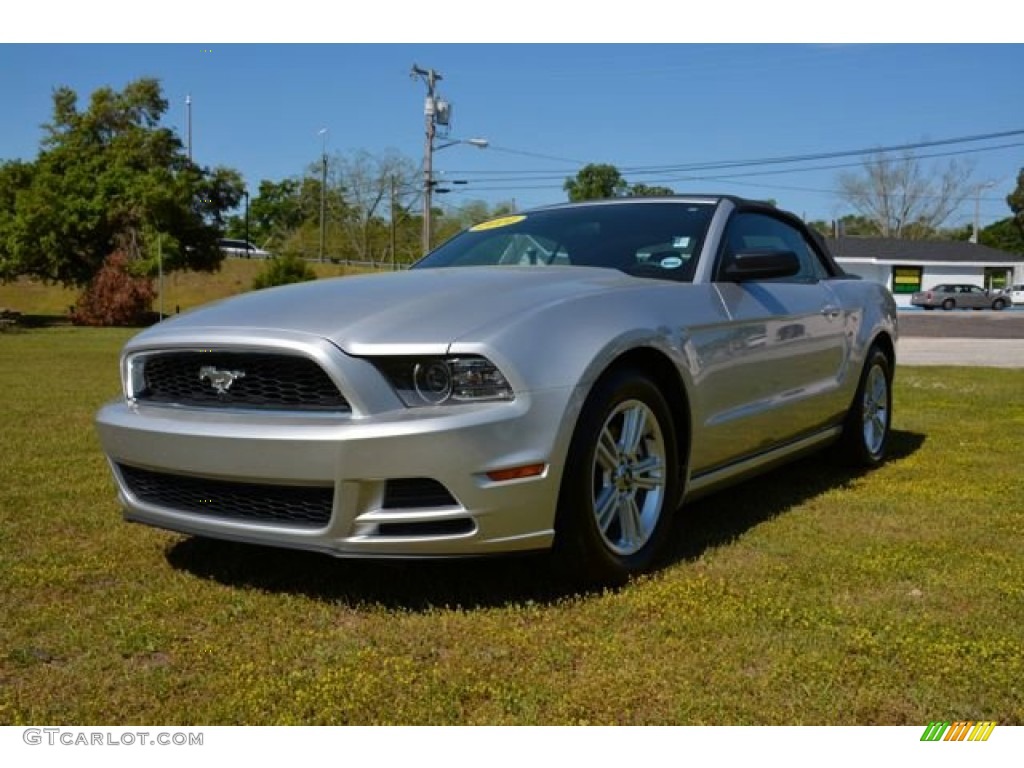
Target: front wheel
x,y
867,426
998,305
621,482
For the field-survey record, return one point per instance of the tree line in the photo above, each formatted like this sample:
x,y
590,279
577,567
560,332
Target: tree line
x,y
372,206
110,180
111,186
891,196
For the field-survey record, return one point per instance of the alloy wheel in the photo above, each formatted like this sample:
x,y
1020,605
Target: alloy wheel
x,y
629,477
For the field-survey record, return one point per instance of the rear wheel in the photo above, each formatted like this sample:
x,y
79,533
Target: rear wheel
x,y
621,481
949,304
867,426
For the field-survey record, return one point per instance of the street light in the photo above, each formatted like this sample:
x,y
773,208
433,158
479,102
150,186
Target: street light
x,y
428,180
480,143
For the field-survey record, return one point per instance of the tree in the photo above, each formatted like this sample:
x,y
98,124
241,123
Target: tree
x,y
454,220
277,210
366,183
643,190
284,270
114,296
1016,202
847,226
903,198
1005,235
596,181
106,179
15,178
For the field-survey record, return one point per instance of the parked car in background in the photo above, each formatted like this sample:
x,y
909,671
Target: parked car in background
x,y
960,296
242,249
564,377
1017,293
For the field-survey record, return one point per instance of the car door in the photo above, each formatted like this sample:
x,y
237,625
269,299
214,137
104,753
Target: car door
x,y
975,297
782,354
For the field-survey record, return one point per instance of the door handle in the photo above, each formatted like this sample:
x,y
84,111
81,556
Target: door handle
x,y
831,311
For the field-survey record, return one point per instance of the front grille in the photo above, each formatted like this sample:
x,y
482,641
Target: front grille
x,y
299,506
416,492
246,380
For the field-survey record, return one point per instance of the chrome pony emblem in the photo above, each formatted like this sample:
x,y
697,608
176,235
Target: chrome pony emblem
x,y
220,379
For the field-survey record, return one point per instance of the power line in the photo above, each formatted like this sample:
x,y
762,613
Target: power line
x,y
503,182
835,166
828,155
755,162
524,153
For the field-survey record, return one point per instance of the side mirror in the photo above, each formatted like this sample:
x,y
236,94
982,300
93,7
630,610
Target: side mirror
x,y
761,265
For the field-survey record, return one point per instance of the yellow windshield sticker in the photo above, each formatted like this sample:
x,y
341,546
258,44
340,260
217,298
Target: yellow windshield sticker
x,y
504,221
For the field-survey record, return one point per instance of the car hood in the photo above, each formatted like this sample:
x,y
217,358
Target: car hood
x,y
424,309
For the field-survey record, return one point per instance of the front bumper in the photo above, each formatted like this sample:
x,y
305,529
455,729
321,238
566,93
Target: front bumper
x,y
355,457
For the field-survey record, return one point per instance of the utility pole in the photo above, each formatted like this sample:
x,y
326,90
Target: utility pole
x,y
248,253
188,122
393,225
977,210
430,78
160,269
323,192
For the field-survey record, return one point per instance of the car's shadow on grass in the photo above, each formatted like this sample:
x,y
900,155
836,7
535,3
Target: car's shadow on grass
x,y
724,516
475,583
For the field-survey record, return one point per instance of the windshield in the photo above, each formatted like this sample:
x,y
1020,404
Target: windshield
x,y
649,239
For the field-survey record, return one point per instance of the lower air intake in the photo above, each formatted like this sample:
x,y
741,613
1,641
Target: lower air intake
x,y
297,506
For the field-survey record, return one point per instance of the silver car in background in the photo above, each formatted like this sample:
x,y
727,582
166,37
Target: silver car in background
x,y
565,377
960,296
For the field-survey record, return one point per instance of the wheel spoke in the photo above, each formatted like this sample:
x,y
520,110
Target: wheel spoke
x,y
605,507
870,434
607,451
634,424
629,521
877,388
647,474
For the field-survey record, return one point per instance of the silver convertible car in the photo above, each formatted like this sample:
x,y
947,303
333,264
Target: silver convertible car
x,y
565,377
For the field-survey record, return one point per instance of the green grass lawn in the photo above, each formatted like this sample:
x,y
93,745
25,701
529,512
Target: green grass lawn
x,y
811,595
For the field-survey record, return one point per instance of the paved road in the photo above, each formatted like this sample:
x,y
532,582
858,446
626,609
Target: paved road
x,y
962,337
962,324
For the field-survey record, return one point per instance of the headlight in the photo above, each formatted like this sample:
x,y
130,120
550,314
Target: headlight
x,y
134,367
444,380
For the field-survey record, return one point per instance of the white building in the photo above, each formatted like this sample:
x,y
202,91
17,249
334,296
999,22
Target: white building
x,y
905,266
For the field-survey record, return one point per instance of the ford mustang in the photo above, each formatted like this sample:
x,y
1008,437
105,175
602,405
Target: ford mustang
x,y
563,378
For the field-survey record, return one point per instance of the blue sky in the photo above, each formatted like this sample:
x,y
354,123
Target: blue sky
x,y
258,108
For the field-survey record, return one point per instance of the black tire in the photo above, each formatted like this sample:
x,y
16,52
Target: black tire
x,y
998,305
865,438
948,304
618,494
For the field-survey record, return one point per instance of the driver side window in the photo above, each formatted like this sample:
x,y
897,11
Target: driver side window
x,y
748,232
